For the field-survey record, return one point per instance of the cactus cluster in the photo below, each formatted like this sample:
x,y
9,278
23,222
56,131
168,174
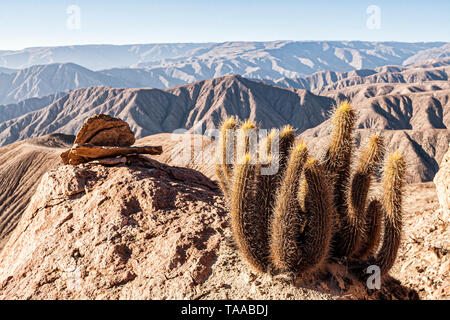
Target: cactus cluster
x,y
310,210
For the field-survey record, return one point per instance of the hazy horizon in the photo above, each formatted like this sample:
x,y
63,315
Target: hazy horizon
x,y
217,42
51,23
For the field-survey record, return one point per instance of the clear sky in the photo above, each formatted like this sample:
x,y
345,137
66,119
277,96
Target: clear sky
x,y
30,23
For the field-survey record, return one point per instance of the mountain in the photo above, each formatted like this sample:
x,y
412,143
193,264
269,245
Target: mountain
x,y
22,165
289,59
43,80
319,82
142,77
399,106
12,111
273,59
150,111
7,70
315,66
96,57
429,54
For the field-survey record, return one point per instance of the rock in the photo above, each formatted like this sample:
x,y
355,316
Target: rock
x,y
442,182
128,232
104,130
65,157
423,260
82,153
110,161
101,137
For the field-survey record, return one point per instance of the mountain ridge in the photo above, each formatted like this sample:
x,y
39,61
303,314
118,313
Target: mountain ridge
x,y
42,80
303,54
204,102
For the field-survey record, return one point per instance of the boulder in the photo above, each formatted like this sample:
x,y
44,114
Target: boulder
x,y
104,130
102,138
82,153
442,182
111,161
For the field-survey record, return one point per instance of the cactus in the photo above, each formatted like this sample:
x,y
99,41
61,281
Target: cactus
x,y
317,218
245,220
311,210
225,156
393,182
353,221
338,156
251,198
372,231
287,218
287,138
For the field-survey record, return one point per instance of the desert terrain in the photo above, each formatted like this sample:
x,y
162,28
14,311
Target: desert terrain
x,y
157,226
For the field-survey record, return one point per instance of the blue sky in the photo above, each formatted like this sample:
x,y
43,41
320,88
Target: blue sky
x,y
30,23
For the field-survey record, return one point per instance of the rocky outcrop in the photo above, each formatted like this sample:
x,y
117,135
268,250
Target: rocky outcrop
x,y
423,262
102,138
442,182
142,231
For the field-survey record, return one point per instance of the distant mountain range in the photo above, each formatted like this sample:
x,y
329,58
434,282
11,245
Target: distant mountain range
x,y
42,80
15,110
393,106
151,111
322,81
189,62
430,54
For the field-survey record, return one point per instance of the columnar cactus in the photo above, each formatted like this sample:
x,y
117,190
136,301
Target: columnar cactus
x,y
287,218
393,182
224,164
310,210
354,212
